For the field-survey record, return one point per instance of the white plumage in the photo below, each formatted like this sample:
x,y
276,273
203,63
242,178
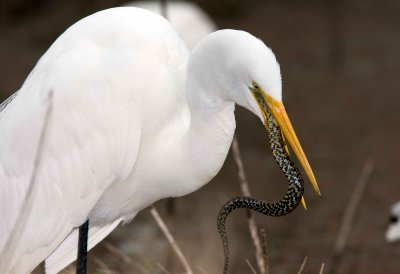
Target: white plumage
x,y
393,231
135,119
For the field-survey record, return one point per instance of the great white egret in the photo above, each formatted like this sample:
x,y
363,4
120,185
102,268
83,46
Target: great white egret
x,y
393,231
135,118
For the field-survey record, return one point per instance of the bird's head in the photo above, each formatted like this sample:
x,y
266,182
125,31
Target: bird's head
x,y
254,82
266,103
241,69
393,231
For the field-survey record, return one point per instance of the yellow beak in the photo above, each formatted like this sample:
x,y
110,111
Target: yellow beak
x,y
278,111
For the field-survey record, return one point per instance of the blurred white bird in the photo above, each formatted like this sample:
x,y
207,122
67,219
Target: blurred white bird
x,y
188,19
393,231
135,119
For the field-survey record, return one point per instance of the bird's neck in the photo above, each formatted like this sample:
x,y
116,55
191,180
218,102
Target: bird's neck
x,y
212,125
212,121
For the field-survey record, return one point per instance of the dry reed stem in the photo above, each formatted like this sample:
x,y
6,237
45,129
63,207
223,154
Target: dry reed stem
x,y
103,267
303,265
244,186
321,271
126,259
263,235
352,205
350,210
162,268
24,212
171,239
251,267
202,270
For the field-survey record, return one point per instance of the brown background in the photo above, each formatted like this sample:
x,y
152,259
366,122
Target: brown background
x,y
340,63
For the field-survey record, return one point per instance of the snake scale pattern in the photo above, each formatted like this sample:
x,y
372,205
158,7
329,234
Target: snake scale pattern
x,y
293,195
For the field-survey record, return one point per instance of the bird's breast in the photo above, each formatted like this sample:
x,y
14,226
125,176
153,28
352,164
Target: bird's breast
x,y
171,163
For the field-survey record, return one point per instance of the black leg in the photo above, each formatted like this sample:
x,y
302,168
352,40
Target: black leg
x,y
82,248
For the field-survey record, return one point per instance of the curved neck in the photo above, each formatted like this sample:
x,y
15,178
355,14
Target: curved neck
x,y
212,125
205,126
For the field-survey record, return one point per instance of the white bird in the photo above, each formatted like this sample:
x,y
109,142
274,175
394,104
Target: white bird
x,y
393,231
135,119
190,22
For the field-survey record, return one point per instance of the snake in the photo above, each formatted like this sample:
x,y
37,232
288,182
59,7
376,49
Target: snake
x,y
283,207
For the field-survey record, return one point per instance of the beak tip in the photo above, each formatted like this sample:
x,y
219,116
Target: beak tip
x,y
303,202
318,191
314,183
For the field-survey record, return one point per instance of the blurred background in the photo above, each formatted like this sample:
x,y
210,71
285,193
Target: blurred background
x,y
340,64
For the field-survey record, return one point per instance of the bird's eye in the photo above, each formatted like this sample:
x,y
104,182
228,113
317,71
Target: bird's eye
x,y
256,86
393,219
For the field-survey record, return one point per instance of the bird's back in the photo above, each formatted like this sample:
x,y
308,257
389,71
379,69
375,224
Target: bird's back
x,y
105,72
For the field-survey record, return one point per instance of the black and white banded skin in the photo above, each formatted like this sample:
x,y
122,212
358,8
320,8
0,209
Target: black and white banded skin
x,y
283,207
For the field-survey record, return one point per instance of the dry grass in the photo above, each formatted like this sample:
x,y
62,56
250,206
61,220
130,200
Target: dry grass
x,y
171,240
349,214
260,248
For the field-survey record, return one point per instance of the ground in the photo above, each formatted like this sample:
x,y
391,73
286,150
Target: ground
x,y
340,66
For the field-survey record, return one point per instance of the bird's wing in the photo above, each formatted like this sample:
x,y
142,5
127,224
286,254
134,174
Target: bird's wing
x,y
66,253
86,150
7,101
91,142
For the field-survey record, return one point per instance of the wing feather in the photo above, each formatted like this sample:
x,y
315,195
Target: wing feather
x,y
92,142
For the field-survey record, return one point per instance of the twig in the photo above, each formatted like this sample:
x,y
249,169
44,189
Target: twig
x,y
24,211
303,265
244,186
202,270
263,235
348,217
126,259
251,267
103,267
162,268
352,205
170,239
321,271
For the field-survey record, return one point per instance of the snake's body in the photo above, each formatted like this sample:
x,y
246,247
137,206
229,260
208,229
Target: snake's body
x,y
285,206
